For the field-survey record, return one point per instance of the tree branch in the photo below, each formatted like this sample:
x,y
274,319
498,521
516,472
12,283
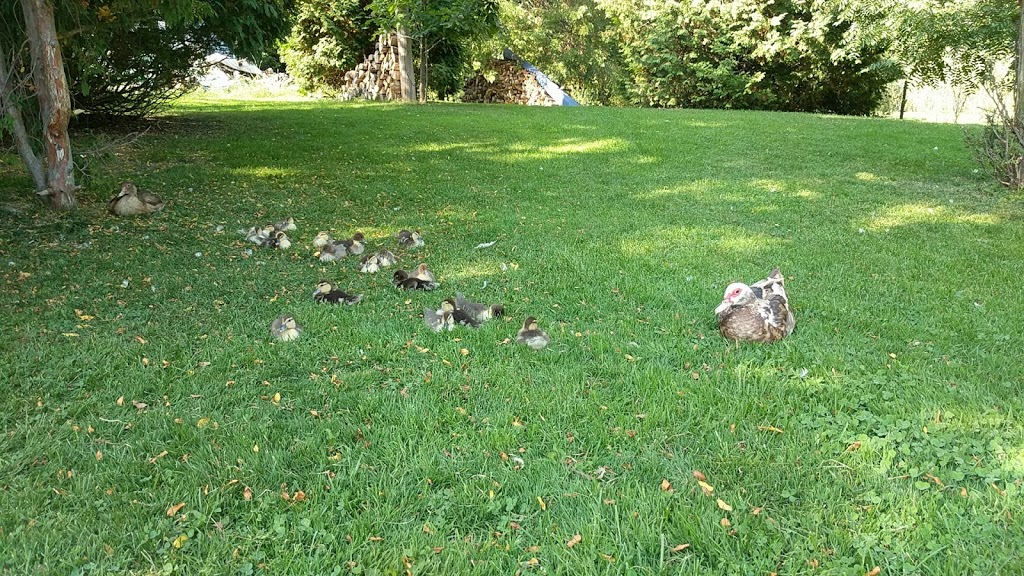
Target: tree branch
x,y
8,104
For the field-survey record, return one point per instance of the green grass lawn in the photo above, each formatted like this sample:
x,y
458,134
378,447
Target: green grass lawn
x,y
886,431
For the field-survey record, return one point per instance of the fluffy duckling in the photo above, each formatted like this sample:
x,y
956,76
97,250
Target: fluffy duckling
x,y
277,240
355,244
332,251
131,201
327,292
285,328
424,273
286,225
372,263
438,320
531,334
459,317
482,312
321,239
756,313
409,239
259,234
402,279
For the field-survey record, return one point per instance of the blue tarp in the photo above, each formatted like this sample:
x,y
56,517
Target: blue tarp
x,y
549,86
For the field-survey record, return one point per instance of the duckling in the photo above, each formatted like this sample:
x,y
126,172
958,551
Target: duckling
x,y
386,258
278,240
409,239
258,234
370,264
531,335
321,239
285,328
438,320
332,251
460,317
424,273
131,201
286,225
402,279
355,244
327,292
481,312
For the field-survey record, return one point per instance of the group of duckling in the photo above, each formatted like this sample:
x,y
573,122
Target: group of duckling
x,y
457,311
759,312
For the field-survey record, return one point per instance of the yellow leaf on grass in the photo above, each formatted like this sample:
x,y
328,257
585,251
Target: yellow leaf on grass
x,y
543,504
464,352
723,505
99,455
276,399
179,541
699,476
299,496
574,541
247,493
770,429
202,422
120,401
725,522
706,488
680,547
874,571
173,510
666,486
255,447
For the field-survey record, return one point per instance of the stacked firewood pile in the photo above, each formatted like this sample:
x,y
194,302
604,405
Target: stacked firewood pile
x,y
377,77
512,85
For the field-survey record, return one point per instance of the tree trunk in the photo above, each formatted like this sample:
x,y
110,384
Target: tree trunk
x,y
423,69
51,88
405,66
9,108
1018,81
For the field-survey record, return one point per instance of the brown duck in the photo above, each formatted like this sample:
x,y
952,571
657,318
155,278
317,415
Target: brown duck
x,y
131,201
756,313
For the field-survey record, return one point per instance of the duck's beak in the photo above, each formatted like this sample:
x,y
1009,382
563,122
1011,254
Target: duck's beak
x,y
723,307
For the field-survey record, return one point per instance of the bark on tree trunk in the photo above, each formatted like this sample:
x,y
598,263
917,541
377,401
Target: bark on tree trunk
x,y
405,66
423,69
11,110
1018,81
54,101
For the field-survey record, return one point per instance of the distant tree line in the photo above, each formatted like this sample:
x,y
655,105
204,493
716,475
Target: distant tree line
x,y
117,58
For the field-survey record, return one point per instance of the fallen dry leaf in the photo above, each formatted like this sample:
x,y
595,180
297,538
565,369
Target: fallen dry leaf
x,y
755,510
543,504
706,488
723,505
173,510
376,539
256,448
666,486
699,476
874,571
99,456
574,541
725,522
853,447
179,541
299,496
607,557
140,406
247,493
680,547
276,398
202,422
157,457
120,401
770,429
